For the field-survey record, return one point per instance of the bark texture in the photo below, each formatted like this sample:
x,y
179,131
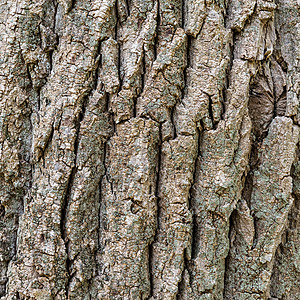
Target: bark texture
x,y
149,149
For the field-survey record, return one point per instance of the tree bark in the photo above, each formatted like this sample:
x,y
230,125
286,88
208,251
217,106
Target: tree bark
x,y
149,149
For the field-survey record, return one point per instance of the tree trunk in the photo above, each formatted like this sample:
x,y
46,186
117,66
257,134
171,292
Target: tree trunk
x,y
149,149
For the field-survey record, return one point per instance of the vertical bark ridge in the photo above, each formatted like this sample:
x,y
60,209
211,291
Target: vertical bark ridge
x,y
134,194
285,276
256,245
171,58
223,183
268,226
42,257
82,218
22,76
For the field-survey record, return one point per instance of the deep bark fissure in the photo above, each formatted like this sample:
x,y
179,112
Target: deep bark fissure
x,y
117,26
29,75
187,66
128,3
71,5
97,66
195,237
233,215
67,195
143,81
150,264
183,12
158,211
210,112
159,153
46,147
172,118
156,39
181,282
195,229
63,226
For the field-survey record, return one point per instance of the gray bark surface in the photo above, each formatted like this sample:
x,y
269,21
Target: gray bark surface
x,y
149,149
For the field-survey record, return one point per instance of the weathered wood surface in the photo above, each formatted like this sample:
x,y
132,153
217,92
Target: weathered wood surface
x,y
149,149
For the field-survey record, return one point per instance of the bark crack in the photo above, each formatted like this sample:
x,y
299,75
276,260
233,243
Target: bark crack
x,y
158,214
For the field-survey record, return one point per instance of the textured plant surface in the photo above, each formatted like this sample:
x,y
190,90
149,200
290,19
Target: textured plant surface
x,y
149,149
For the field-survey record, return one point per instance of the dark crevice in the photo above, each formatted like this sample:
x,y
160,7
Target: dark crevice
x,y
66,200
117,21
206,291
275,113
254,164
105,147
46,146
107,173
227,271
143,76
278,57
183,13
100,225
128,4
188,54
124,121
2,211
38,96
248,185
255,238
50,57
72,5
158,216
188,63
195,238
157,186
210,112
55,5
107,101
181,283
68,269
172,118
223,102
231,57
134,100
119,67
65,205
156,40
28,66
98,62
192,205
100,206
63,225
226,15
150,269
